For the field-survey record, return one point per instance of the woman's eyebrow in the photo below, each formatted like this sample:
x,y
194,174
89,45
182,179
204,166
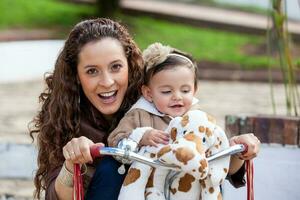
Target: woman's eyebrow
x,y
116,61
112,62
88,66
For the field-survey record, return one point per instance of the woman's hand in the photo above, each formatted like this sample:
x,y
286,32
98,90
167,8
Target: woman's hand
x,y
154,137
237,160
252,143
77,150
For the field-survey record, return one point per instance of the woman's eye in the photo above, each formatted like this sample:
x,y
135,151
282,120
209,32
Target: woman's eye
x,y
116,67
91,71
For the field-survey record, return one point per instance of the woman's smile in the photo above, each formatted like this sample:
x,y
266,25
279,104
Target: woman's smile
x,y
108,97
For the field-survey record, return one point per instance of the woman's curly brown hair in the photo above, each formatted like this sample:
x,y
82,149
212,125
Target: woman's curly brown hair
x,y
59,118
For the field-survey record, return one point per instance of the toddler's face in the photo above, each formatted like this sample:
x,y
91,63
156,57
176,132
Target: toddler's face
x,y
172,90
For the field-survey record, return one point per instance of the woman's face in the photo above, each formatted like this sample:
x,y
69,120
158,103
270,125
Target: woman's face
x,y
103,74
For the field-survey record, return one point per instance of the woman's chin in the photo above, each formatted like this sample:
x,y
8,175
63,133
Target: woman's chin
x,y
109,107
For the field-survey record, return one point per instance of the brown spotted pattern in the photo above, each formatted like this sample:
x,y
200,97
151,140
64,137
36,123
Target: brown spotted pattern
x,y
152,155
211,190
211,119
202,183
208,132
132,175
184,155
185,120
203,165
225,170
185,183
190,136
197,140
163,151
173,133
201,129
173,190
150,179
208,153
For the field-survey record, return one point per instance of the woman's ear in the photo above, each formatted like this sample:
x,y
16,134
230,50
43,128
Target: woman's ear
x,y
146,91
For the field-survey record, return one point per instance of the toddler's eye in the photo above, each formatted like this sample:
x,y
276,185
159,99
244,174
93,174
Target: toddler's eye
x,y
165,92
203,140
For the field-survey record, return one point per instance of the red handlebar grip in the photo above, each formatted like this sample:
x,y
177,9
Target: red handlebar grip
x,y
246,148
95,150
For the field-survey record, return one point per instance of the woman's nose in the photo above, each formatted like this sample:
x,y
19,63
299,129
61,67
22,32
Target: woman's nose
x,y
106,80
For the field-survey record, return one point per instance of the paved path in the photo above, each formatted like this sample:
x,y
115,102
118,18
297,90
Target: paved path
x,y
276,176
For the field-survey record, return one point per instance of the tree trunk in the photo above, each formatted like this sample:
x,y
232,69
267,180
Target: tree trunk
x,y
108,8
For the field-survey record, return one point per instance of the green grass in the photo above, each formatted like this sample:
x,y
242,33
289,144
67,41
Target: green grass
x,y
202,43
41,13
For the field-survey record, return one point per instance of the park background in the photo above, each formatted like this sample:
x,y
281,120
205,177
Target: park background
x,y
228,41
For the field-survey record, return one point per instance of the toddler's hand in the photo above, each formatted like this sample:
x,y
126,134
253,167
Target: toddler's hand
x,y
154,137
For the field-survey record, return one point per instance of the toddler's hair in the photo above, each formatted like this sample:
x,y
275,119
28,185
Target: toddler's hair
x,y
158,57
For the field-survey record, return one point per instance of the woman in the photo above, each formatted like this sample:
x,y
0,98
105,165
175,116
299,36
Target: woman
x,y
96,79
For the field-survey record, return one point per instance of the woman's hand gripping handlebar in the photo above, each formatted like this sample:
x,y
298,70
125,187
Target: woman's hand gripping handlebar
x,y
96,150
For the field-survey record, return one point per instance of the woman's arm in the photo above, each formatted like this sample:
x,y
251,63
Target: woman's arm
x,y
63,192
253,144
75,151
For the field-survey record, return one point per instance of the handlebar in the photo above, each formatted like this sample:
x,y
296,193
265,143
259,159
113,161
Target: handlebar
x,y
99,150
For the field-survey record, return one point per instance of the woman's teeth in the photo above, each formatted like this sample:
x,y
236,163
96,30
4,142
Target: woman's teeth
x,y
107,94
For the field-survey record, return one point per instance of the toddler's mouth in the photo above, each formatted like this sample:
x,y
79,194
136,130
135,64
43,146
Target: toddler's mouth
x,y
176,106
